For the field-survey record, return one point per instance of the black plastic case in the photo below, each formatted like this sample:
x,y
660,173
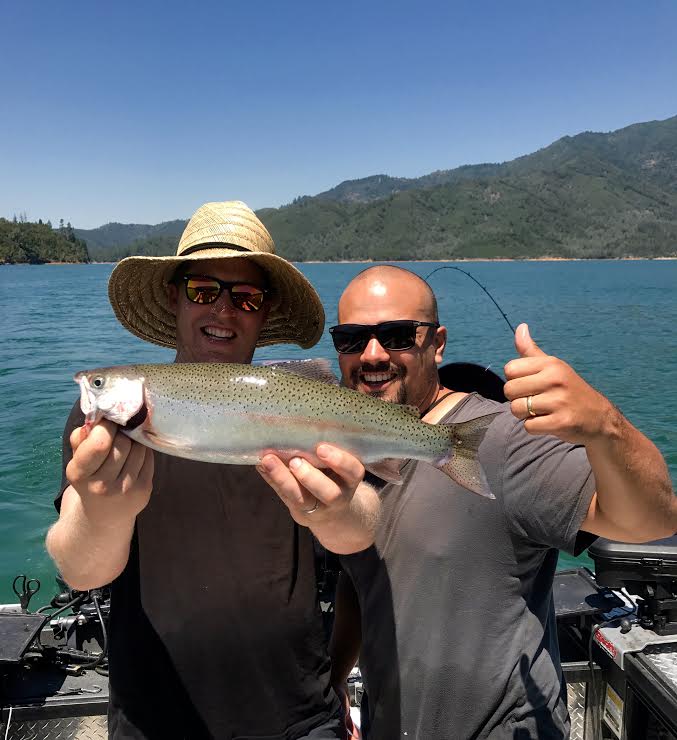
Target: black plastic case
x,y
618,563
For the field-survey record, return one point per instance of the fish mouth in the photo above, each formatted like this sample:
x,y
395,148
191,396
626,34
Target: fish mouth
x,y
218,333
88,400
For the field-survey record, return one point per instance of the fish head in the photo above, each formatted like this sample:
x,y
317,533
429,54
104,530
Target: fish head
x,y
109,394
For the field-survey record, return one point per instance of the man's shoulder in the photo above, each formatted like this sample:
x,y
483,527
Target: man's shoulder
x,y
473,405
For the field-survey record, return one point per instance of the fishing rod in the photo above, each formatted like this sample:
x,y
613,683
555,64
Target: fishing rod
x,y
458,269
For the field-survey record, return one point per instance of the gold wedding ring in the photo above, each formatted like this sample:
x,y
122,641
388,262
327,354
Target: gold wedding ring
x,y
530,408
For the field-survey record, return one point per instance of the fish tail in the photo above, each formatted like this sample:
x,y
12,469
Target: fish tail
x,y
462,463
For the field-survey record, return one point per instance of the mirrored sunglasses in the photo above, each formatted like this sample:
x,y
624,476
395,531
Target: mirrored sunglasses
x,y
391,335
206,289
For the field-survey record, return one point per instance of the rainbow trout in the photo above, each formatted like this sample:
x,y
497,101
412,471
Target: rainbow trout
x,y
227,413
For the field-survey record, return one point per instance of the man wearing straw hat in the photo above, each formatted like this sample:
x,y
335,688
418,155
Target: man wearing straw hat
x,y
214,628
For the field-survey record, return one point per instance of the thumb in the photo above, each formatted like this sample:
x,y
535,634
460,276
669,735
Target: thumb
x,y
524,344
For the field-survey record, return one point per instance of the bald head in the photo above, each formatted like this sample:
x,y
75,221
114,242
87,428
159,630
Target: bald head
x,y
398,286
408,375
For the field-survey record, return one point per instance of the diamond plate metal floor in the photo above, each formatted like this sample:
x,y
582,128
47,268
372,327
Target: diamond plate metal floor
x,y
664,658
69,728
576,704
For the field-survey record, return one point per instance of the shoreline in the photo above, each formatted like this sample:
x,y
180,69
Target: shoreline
x,y
495,259
431,261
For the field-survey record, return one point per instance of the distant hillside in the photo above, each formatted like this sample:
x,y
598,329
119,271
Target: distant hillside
x,y
120,236
646,149
376,187
37,243
590,195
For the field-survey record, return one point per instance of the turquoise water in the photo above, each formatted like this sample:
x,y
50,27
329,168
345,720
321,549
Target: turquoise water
x,y
615,322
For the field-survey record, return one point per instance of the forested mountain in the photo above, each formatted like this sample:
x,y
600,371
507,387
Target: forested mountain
x,y
35,243
117,235
644,150
590,195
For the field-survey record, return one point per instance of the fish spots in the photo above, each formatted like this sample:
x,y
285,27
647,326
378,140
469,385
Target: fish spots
x,y
207,395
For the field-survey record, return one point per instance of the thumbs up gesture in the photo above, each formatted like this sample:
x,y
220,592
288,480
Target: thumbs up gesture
x,y
551,397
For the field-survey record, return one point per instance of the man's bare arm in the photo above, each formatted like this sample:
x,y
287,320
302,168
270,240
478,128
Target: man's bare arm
x,y
111,480
345,643
346,636
633,500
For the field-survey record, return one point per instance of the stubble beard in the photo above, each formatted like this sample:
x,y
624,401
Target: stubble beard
x,y
401,394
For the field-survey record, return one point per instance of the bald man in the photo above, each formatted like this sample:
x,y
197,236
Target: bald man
x,y
453,604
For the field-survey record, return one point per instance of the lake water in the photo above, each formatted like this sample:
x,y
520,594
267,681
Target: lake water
x,y
615,322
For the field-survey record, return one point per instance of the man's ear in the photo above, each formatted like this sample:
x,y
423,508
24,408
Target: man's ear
x,y
172,297
440,343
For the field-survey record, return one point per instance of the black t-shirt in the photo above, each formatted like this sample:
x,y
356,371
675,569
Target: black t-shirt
x,y
215,626
458,626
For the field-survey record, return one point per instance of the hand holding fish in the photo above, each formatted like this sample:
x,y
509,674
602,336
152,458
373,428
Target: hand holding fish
x,y
551,397
111,473
110,480
323,499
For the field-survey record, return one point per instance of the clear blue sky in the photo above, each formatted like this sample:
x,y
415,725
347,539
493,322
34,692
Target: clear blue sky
x,y
139,112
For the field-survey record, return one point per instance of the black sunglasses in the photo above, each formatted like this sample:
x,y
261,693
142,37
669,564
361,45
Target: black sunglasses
x,y
392,335
206,289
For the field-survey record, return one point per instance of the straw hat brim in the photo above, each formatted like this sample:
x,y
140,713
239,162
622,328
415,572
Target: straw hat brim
x,y
137,290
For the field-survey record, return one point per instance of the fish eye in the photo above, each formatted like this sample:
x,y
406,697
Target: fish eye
x,y
97,382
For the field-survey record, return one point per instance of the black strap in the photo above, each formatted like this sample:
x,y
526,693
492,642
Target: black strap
x,y
434,403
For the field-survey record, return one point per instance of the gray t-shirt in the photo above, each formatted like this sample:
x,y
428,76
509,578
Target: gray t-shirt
x,y
458,626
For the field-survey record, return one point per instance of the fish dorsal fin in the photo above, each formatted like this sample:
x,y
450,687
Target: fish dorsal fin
x,y
317,368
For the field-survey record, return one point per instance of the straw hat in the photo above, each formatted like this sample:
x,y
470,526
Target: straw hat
x,y
138,285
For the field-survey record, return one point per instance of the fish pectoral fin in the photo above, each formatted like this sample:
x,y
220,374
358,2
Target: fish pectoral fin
x,y
387,469
315,368
164,442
